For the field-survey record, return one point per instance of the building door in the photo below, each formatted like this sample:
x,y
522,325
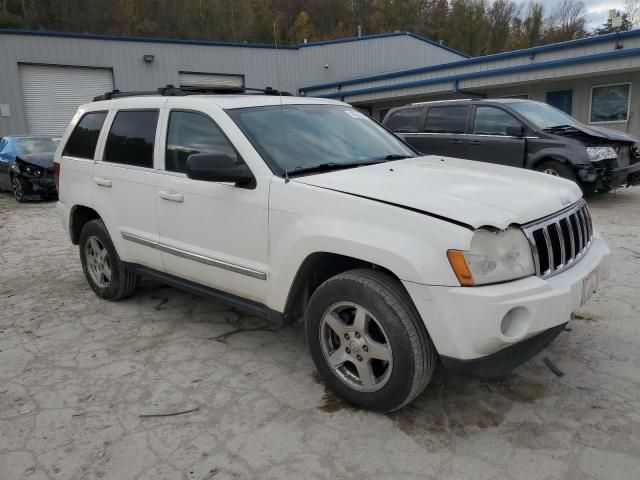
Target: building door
x,y
52,94
561,99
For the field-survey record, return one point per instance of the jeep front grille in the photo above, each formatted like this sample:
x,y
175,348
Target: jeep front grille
x,y
560,240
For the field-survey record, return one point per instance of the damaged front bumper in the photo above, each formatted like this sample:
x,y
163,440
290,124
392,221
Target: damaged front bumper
x,y
39,186
609,177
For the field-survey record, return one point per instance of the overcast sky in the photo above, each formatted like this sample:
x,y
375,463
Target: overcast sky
x,y
597,10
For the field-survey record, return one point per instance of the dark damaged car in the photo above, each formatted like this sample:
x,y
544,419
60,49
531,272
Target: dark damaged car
x,y
521,133
26,167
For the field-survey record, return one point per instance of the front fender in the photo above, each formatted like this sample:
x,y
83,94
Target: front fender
x,y
576,157
411,245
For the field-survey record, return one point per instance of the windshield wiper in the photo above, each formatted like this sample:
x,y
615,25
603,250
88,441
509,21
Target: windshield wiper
x,y
397,156
327,167
559,128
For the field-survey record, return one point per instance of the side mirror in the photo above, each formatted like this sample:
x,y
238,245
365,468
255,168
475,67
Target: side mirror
x,y
218,167
518,131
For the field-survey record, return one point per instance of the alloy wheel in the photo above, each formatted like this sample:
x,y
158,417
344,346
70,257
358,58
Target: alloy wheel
x,y
356,347
97,261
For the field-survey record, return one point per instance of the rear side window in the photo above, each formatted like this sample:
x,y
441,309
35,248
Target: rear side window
x,y
405,120
191,133
447,119
131,138
492,121
83,139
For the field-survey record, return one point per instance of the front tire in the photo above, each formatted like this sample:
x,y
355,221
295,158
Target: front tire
x,y
18,187
557,169
102,267
368,341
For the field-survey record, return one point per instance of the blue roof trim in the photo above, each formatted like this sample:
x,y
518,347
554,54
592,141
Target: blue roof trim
x,y
124,38
382,35
215,43
475,60
489,73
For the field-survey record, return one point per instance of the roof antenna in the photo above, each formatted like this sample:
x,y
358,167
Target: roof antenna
x,y
275,38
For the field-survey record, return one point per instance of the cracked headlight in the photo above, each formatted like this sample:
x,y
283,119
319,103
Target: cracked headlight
x,y
597,154
493,257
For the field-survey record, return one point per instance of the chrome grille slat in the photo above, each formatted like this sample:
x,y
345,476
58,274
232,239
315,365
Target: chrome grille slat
x,y
563,254
552,251
576,221
572,241
547,239
583,227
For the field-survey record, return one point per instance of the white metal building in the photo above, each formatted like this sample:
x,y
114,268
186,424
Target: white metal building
x,y
44,76
595,79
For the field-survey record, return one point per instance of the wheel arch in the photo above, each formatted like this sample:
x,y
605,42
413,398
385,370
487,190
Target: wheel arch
x,y
549,157
79,216
318,267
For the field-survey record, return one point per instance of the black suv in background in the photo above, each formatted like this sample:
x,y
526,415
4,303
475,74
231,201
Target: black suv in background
x,y
521,133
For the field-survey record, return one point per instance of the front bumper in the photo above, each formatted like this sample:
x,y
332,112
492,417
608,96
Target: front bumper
x,y
467,323
502,362
626,176
43,186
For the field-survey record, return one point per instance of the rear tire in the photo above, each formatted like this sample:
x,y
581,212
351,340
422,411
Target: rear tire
x,y
557,169
368,341
102,267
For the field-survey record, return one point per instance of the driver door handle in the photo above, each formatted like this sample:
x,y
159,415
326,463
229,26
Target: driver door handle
x,y
171,196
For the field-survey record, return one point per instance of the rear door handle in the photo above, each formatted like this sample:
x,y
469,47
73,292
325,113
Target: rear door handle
x,y
474,142
457,141
103,182
171,196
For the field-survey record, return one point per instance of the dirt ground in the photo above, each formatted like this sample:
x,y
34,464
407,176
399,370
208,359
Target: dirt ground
x,y
83,380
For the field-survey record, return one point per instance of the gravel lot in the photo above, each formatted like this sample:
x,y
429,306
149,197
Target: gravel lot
x,y
81,378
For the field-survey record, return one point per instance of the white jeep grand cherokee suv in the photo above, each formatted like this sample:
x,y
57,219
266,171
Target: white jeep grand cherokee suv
x,y
285,206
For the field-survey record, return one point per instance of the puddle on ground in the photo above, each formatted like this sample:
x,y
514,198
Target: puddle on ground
x,y
451,406
332,403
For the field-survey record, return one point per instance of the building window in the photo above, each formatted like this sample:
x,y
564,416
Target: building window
x,y
610,103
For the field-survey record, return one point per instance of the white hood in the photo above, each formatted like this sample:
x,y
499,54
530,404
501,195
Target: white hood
x,y
474,193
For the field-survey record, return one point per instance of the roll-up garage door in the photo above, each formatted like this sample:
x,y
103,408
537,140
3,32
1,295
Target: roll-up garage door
x,y
52,94
211,80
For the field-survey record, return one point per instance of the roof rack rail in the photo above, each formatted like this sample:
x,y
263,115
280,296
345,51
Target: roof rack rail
x,y
172,91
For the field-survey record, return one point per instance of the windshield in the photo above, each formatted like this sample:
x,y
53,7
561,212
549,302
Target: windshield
x,y
30,146
301,137
542,116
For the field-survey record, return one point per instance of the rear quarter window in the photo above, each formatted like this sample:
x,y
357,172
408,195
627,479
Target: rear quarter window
x,y
84,138
406,120
132,138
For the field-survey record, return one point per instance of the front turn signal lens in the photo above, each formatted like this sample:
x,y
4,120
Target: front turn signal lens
x,y
460,267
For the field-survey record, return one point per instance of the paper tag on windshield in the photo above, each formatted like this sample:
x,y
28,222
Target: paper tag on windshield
x,y
355,114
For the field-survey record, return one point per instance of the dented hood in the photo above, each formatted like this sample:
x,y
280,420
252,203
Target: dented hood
x,y
472,193
44,160
603,133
